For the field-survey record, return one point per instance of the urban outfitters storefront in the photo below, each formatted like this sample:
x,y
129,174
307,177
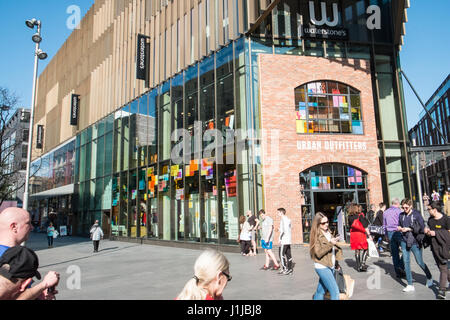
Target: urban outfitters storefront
x,y
300,112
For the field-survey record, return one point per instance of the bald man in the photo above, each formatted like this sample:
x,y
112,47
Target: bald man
x,y
15,227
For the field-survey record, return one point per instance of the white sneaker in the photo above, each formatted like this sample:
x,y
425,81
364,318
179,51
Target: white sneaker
x,y
429,283
409,289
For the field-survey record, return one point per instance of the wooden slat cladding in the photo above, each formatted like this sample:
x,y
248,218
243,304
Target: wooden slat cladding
x,y
98,60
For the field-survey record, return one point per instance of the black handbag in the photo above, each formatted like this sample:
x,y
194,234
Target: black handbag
x,y
339,276
376,230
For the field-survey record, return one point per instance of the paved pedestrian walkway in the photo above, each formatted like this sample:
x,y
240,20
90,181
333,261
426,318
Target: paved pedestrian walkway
x,y
128,271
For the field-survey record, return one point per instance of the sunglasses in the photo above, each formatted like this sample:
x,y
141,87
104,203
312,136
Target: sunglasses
x,y
324,223
405,208
228,276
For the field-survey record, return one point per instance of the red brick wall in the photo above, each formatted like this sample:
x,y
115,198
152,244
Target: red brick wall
x,y
279,76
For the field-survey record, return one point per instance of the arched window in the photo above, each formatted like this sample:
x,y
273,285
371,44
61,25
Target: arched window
x,y
328,107
333,176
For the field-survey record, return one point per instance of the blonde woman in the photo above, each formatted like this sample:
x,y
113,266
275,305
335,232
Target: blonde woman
x,y
211,275
325,253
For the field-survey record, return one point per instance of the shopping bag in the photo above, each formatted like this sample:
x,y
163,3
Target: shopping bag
x,y
55,234
373,252
350,285
345,283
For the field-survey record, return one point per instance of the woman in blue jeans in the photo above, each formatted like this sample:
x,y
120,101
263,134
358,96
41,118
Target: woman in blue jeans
x,y
50,233
408,218
325,253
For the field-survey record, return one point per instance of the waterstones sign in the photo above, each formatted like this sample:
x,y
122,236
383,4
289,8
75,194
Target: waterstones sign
x,y
142,57
75,110
324,20
40,137
323,26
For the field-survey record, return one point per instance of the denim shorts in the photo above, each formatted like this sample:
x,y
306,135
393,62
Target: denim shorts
x,y
266,245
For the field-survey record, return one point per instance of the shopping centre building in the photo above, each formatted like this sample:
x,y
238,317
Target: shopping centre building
x,y
432,132
167,120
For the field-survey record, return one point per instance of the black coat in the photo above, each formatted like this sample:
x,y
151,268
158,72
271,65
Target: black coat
x,y
440,246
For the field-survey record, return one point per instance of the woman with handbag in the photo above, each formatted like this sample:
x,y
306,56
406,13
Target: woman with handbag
x,y
359,232
325,253
376,229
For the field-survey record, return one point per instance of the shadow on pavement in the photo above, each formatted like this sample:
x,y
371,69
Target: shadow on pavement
x,y
38,241
115,249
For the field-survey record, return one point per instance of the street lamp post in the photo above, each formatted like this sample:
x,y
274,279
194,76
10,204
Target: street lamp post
x,y
38,55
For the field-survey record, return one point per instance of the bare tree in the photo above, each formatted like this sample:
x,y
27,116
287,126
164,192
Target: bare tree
x,y
9,175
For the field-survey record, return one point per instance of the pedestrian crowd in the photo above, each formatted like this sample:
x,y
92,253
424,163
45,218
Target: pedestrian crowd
x,y
399,229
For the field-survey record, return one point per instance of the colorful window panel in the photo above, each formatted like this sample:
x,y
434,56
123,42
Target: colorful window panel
x,y
327,100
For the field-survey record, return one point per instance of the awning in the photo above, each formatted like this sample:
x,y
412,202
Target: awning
x,y
61,191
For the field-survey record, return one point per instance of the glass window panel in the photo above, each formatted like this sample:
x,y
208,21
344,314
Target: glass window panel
x,y
125,137
88,161
166,121
117,141
132,202
152,123
100,159
124,210
358,52
143,128
98,194
115,205
389,113
320,95
314,48
106,194
101,127
94,130
210,196
334,126
335,50
383,63
109,123
357,127
346,127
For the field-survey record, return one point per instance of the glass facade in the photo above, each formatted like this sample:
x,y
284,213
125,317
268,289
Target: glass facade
x,y
173,172
53,170
183,161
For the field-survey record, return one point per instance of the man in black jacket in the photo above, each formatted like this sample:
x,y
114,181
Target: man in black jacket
x,y
439,232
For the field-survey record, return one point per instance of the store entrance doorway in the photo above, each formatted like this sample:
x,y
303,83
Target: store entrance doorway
x,y
328,186
330,204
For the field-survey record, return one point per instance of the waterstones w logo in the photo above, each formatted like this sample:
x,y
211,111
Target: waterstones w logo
x,y
324,20
373,16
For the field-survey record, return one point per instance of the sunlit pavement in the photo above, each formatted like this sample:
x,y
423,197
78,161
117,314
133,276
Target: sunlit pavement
x,y
128,271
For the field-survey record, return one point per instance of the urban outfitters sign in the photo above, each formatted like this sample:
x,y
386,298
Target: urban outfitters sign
x,y
331,146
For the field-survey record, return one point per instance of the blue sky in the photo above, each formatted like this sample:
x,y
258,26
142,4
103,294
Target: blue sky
x,y
17,49
424,56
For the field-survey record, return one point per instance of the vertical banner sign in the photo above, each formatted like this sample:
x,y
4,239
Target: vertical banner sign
x,y
142,58
75,110
39,137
